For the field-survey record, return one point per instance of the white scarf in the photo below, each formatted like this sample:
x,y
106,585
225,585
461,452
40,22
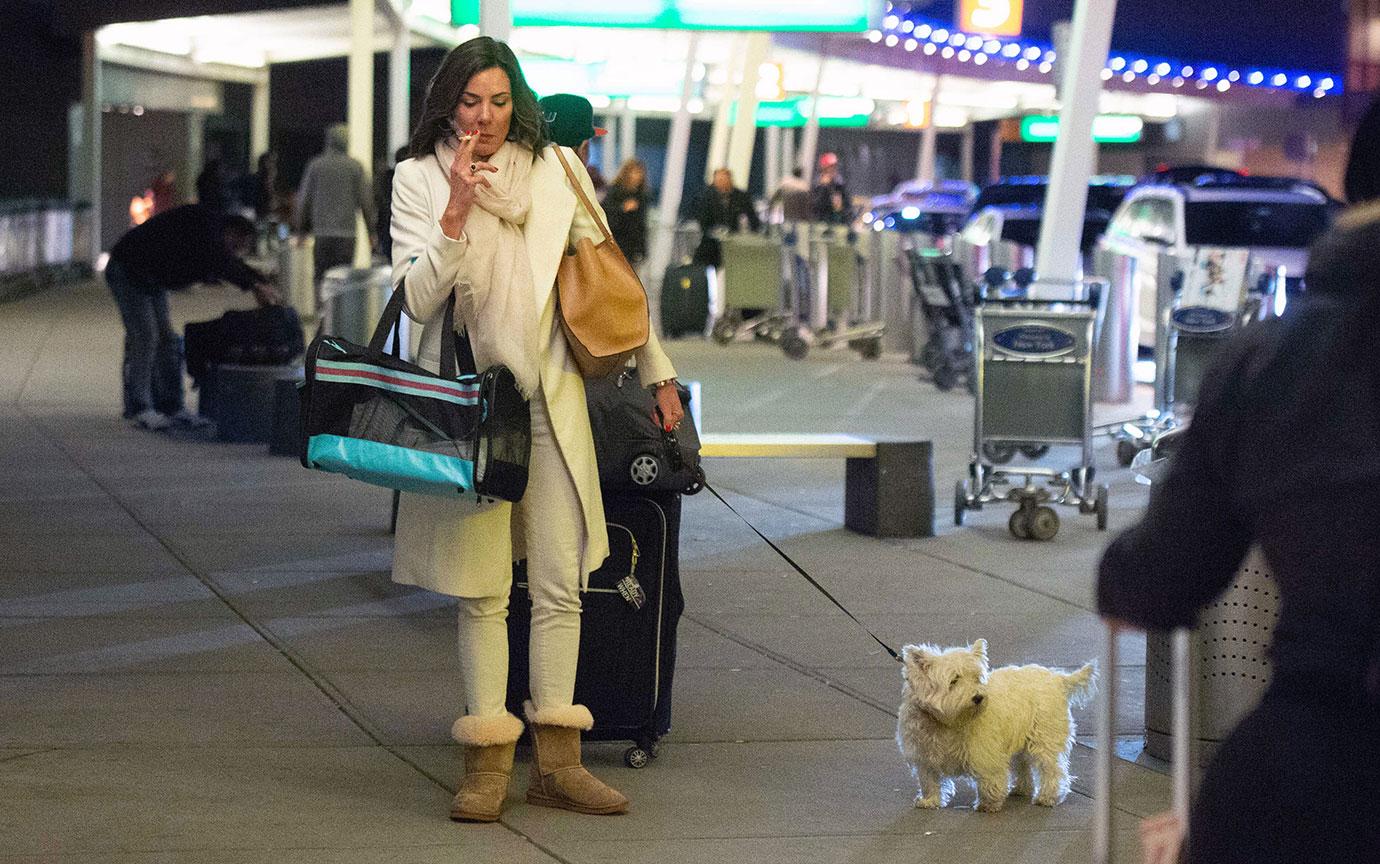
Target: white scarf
x,y
495,277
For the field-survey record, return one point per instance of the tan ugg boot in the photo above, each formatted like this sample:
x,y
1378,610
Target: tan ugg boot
x,y
558,778
489,744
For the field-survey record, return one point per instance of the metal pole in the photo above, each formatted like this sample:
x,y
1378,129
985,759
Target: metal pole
x,y
773,161
673,180
718,133
399,86
1102,790
966,154
743,137
994,155
195,154
91,104
788,163
258,121
1057,255
496,19
360,113
929,138
608,147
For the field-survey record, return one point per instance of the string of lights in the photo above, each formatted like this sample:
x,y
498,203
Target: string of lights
x,y
932,38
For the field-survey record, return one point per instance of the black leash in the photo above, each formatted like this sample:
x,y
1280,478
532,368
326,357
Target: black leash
x,y
801,571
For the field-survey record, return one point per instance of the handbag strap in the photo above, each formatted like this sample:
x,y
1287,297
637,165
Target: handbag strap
x,y
456,359
580,191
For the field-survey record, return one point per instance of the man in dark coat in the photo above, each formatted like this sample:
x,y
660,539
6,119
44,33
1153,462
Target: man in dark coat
x,y
723,207
172,250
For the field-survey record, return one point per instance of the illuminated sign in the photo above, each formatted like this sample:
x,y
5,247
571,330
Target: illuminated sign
x,y
839,16
834,111
1107,129
991,17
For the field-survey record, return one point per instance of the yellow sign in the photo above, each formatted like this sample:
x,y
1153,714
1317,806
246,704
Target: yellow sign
x,y
991,17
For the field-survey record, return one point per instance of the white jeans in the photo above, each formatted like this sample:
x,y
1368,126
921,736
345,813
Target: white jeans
x,y
552,524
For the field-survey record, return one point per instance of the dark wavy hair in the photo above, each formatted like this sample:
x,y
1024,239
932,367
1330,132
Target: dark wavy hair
x,y
466,60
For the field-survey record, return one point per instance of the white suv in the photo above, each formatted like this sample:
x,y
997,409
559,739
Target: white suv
x,y
1277,219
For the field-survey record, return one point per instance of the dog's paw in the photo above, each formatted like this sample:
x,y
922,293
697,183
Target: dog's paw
x,y
1046,800
990,806
926,802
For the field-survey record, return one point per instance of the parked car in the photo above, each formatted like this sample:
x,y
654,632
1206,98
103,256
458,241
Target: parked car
x,y
1275,218
1004,227
916,206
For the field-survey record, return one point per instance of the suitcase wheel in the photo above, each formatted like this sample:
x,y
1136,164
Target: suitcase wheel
x,y
636,757
644,469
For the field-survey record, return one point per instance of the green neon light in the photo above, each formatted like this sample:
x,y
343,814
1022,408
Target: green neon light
x,y
833,16
1107,129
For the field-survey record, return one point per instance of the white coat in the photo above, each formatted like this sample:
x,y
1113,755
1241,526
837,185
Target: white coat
x,y
458,546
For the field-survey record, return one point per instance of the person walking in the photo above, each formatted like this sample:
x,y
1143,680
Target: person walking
x,y
626,204
483,212
173,249
1282,452
333,189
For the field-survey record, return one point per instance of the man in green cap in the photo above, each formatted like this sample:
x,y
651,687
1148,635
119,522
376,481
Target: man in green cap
x,y
570,120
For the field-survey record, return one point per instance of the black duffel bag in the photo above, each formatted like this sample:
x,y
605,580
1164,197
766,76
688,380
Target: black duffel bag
x,y
634,452
267,336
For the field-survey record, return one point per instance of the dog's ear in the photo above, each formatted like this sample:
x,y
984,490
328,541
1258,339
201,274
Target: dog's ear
x,y
979,649
914,655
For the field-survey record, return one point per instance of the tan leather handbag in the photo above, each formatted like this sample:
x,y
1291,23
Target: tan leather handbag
x,y
601,302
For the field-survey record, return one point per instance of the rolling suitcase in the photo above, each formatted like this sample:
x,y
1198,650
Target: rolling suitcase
x,y
1161,836
685,300
627,627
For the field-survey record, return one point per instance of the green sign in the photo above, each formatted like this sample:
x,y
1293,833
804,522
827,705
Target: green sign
x,y
1107,129
792,114
838,16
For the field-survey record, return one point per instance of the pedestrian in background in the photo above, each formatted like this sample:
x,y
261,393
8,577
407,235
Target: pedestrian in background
x,y
333,189
723,209
1283,451
830,196
626,205
172,250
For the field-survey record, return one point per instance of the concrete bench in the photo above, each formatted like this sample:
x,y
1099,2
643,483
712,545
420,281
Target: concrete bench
x,y
888,488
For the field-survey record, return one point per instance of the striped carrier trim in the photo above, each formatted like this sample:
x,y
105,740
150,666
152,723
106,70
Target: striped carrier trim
x,y
368,375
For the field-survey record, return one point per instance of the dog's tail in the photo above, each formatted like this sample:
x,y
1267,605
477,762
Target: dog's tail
x,y
1081,685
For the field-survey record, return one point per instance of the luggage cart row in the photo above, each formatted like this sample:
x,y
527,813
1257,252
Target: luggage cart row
x,y
43,241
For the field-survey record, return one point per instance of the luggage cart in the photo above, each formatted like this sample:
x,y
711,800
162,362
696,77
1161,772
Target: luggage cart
x,y
945,303
1034,390
839,304
1199,304
756,285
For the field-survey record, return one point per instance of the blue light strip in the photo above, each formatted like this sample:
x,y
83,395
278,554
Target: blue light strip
x,y
914,34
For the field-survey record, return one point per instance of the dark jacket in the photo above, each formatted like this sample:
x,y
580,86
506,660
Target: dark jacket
x,y
1283,451
830,202
628,229
717,210
180,247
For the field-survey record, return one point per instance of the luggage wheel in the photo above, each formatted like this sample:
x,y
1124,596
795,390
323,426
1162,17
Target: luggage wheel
x,y
1033,521
644,469
638,755
696,483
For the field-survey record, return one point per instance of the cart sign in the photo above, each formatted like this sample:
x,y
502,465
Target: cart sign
x,y
1035,340
991,17
1201,319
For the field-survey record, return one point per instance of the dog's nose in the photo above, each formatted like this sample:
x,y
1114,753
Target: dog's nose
x,y
977,700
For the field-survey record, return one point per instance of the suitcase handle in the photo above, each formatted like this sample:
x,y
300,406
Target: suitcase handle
x,y
1181,769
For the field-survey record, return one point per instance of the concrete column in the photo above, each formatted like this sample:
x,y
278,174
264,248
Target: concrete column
x,y
1057,255
809,143
965,160
195,155
627,136
608,147
91,137
399,89
719,132
773,160
743,137
496,19
258,121
673,179
360,115
929,141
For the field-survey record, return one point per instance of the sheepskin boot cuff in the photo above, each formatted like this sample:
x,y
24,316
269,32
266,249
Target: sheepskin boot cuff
x,y
567,717
484,731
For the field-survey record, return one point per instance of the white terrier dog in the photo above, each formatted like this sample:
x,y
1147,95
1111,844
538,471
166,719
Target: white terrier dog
x,y
958,719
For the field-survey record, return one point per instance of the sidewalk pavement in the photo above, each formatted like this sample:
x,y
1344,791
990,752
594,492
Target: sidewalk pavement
x,y
202,658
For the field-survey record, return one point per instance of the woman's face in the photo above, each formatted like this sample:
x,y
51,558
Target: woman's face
x,y
635,177
486,105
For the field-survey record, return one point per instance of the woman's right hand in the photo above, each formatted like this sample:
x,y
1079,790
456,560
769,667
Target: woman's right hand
x,y
465,177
